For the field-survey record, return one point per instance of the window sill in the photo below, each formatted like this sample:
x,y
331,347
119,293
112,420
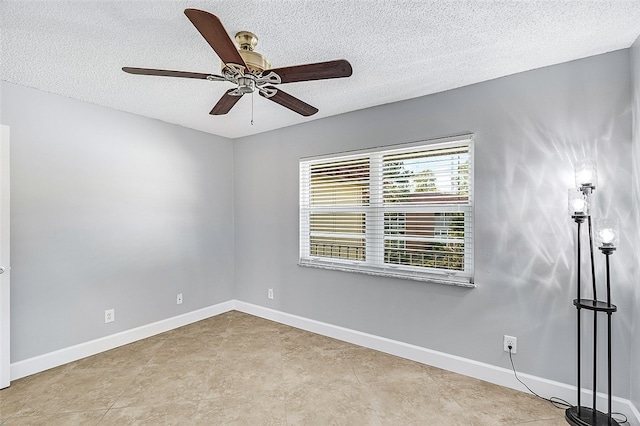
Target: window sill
x,y
389,272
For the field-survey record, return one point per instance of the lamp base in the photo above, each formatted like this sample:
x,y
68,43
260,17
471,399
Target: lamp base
x,y
586,417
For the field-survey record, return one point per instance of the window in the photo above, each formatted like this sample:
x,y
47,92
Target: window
x,y
403,211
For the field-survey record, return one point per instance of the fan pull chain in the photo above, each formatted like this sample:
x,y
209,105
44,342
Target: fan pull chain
x,y
252,96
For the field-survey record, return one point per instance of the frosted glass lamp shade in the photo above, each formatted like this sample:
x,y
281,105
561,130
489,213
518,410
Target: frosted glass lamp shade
x,y
607,233
586,174
578,203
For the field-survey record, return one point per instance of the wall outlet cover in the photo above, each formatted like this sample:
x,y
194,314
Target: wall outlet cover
x,y
510,341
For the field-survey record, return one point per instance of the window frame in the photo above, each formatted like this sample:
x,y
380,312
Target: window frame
x,y
375,209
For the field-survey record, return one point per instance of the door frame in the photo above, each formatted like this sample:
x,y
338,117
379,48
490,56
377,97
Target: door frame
x,y
5,328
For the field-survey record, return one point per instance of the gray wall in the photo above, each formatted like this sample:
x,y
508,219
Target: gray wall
x,y
110,210
530,128
635,338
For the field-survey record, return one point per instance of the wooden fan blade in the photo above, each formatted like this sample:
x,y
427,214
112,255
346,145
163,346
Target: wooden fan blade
x,y
213,31
317,71
225,103
166,73
291,102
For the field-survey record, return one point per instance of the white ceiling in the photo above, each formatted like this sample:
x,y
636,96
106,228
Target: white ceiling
x,y
398,50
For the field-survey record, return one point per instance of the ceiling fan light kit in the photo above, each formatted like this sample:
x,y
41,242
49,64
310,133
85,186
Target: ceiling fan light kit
x,y
248,70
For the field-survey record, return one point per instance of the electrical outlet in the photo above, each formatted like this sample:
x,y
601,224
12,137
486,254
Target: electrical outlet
x,y
510,341
179,299
270,293
109,315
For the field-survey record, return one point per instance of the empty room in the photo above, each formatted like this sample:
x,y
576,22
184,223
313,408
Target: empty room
x,y
320,212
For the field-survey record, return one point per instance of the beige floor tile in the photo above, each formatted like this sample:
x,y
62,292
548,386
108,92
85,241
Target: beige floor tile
x,y
242,324
491,404
296,340
125,357
13,399
215,326
368,365
317,366
406,400
236,345
336,403
171,413
158,384
558,421
211,412
64,419
243,408
237,369
183,351
75,390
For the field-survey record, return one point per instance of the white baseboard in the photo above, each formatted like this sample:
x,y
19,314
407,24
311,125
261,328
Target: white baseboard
x,y
63,356
479,370
636,414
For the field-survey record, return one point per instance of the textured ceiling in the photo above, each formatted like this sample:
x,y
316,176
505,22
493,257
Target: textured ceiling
x,y
398,50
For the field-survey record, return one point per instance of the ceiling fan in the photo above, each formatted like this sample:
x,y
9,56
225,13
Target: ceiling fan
x,y
248,70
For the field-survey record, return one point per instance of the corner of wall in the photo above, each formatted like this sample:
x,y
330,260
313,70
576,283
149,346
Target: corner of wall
x,y
634,53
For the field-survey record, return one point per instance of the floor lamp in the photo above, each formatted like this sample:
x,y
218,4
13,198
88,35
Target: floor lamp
x,y
606,238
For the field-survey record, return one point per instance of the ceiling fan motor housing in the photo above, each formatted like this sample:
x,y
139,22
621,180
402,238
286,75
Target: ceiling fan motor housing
x,y
255,61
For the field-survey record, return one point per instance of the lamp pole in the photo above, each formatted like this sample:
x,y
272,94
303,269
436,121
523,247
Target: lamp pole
x,y
579,220
607,250
606,238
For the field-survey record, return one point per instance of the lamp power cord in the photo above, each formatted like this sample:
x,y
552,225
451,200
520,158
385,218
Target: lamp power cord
x,y
555,401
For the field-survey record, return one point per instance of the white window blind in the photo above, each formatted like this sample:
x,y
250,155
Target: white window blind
x,y
404,211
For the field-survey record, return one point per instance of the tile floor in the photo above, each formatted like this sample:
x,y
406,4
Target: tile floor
x,y
242,370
